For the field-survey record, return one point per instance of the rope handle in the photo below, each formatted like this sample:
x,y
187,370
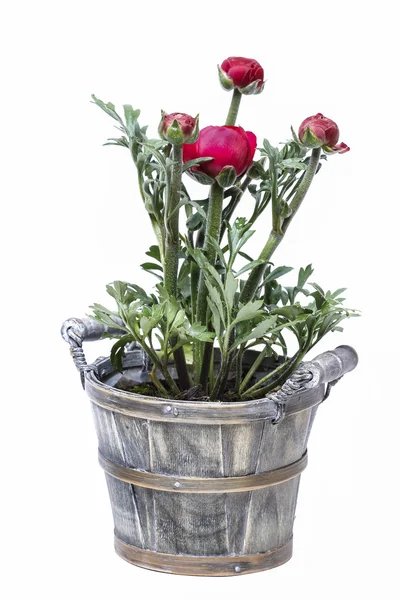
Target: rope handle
x,y
76,331
328,367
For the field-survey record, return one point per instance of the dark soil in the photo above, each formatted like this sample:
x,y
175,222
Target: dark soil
x,y
149,389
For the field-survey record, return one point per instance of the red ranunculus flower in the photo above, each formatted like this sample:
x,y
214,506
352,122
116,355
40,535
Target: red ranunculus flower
x,y
177,127
227,145
243,73
319,131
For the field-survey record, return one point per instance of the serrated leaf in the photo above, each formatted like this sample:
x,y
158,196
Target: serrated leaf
x,y
199,332
248,311
271,151
304,275
154,252
108,108
131,116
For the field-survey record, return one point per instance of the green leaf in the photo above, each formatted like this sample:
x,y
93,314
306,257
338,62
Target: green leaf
x,y
293,163
230,288
259,330
215,317
218,250
108,108
251,265
195,221
178,320
290,312
196,161
286,211
246,256
216,299
276,273
248,311
122,141
131,116
148,266
154,252
304,275
200,177
271,152
199,332
118,351
147,323
337,293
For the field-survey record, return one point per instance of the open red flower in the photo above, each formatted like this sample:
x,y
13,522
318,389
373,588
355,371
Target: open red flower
x,y
226,145
246,74
319,131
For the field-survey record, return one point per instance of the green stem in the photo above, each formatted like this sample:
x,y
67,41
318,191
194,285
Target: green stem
x,y
303,187
273,379
172,225
234,108
257,273
239,368
230,209
172,255
253,368
213,227
157,383
276,237
276,217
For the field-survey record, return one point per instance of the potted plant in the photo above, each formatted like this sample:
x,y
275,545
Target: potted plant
x,y
202,417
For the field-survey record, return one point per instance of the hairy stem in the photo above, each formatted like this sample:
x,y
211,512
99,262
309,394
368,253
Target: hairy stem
x,y
172,255
276,237
213,227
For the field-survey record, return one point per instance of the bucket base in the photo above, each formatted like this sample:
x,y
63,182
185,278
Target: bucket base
x,y
206,566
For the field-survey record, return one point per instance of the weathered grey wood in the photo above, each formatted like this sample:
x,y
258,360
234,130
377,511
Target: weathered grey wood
x,y
123,501
178,411
155,528
203,524
240,447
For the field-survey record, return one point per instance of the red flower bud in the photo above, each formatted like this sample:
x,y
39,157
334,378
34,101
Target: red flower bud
x,y
318,131
243,73
178,128
228,146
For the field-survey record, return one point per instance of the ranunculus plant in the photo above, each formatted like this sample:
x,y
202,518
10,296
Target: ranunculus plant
x,y
213,301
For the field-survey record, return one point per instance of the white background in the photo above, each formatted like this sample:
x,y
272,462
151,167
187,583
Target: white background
x,y
72,221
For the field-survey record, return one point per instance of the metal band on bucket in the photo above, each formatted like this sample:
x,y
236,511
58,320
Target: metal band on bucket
x,y
202,485
217,566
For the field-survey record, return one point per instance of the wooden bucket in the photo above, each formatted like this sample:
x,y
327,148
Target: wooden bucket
x,y
200,488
